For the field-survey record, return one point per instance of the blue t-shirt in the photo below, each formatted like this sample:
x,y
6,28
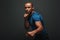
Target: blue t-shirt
x,y
36,17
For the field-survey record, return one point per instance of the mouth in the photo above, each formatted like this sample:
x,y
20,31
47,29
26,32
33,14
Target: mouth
x,y
27,11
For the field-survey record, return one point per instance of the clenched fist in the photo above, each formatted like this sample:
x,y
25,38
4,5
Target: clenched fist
x,y
30,34
25,15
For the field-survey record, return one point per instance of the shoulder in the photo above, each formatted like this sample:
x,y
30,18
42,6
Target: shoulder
x,y
36,15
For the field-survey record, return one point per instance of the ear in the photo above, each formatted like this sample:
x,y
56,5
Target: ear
x,y
33,8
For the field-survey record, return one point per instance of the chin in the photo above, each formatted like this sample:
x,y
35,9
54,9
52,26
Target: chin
x,y
28,12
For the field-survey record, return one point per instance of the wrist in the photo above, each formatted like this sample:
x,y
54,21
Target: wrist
x,y
34,32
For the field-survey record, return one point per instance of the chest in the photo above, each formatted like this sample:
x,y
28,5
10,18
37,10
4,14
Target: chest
x,y
31,21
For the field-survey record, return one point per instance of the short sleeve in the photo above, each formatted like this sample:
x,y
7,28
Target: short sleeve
x,y
37,17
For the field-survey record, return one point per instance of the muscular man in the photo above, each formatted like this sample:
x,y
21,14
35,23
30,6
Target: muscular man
x,y
34,20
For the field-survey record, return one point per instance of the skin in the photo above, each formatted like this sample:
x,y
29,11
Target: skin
x,y
28,10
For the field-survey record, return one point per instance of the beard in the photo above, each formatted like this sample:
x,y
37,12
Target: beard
x,y
28,12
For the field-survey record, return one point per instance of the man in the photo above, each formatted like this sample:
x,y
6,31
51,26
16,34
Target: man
x,y
34,20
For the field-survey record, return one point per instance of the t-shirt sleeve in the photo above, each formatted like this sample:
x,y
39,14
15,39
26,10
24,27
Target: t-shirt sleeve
x,y
37,18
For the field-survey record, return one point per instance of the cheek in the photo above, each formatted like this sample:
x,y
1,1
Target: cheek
x,y
30,9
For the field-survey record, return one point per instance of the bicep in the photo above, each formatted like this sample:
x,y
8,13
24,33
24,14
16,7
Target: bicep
x,y
38,24
37,20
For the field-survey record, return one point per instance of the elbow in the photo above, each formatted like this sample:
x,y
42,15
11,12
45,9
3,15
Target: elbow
x,y
40,28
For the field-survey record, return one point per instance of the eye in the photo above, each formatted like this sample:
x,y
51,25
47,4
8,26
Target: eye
x,y
28,7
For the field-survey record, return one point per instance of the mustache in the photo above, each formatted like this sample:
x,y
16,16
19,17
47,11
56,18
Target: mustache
x,y
27,11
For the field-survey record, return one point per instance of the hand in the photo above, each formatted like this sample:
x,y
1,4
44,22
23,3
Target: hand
x,y
31,34
25,15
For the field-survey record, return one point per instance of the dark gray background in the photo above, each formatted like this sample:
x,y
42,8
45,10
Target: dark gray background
x,y
12,22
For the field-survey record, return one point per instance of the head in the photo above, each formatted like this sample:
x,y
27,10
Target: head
x,y
28,7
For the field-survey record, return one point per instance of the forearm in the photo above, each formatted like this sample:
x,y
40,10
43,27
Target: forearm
x,y
39,29
26,24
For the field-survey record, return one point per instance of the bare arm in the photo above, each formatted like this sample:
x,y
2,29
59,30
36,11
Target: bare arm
x,y
26,23
39,27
